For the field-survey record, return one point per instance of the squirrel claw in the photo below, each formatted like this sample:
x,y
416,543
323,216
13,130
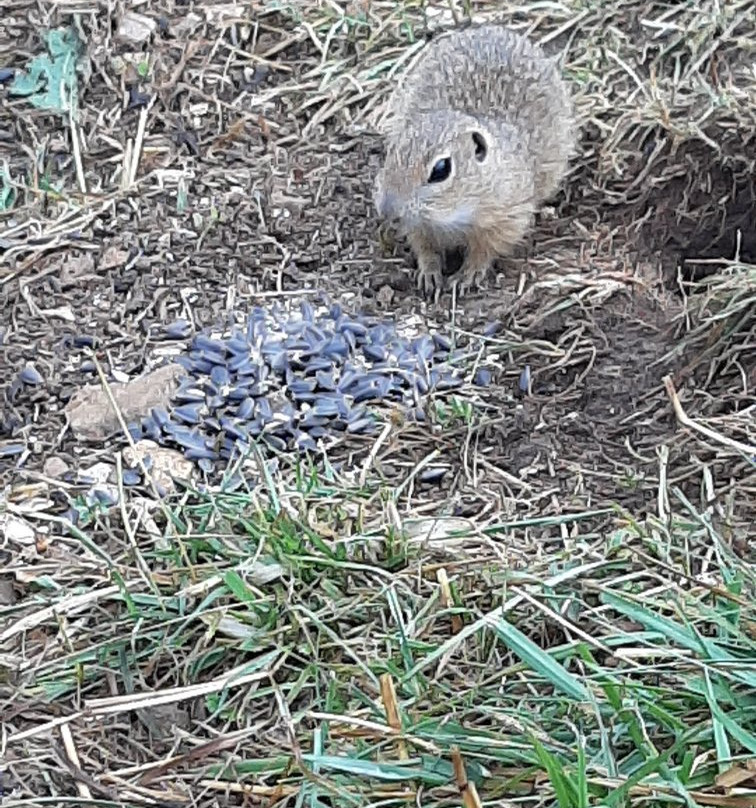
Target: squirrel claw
x,y
429,279
471,279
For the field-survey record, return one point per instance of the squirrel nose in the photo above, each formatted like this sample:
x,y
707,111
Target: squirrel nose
x,y
388,205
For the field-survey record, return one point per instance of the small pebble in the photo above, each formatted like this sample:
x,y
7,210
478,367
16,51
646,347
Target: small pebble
x,y
55,467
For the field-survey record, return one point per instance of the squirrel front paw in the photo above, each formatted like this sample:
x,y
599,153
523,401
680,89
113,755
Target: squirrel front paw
x,y
473,274
430,274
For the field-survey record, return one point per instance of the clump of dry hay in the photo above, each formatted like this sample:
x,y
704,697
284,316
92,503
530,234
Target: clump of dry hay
x,y
719,375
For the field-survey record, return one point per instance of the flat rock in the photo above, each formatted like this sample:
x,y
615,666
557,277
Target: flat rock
x,y
55,467
91,414
165,465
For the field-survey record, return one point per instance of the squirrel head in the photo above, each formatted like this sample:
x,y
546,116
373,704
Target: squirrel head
x,y
441,168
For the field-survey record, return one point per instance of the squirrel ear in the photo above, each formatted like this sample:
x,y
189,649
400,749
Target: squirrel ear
x,y
481,146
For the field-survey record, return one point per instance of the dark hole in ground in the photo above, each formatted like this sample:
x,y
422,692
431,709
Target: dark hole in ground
x,y
693,212
708,214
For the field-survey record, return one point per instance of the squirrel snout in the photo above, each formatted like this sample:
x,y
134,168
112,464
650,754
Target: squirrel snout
x,y
388,205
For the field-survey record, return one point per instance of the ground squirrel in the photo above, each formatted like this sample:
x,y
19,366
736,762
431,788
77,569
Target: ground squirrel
x,y
478,134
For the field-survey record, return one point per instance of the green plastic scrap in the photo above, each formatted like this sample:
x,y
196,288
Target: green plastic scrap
x,y
50,78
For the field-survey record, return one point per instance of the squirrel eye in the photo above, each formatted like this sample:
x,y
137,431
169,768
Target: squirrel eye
x,y
441,170
481,147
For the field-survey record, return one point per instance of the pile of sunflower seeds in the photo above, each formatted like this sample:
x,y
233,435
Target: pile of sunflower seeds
x,y
295,379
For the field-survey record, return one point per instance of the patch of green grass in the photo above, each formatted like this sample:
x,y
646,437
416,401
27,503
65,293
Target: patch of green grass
x,y
592,677
453,412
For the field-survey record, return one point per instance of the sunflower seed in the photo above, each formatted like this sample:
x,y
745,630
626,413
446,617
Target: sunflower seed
x,y
30,375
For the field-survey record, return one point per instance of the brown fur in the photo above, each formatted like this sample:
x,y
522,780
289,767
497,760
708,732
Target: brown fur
x,y
493,104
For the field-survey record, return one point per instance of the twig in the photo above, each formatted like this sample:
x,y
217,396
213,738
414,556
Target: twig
x,y
687,421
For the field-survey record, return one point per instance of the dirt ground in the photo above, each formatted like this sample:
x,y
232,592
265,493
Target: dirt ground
x,y
253,184
226,159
